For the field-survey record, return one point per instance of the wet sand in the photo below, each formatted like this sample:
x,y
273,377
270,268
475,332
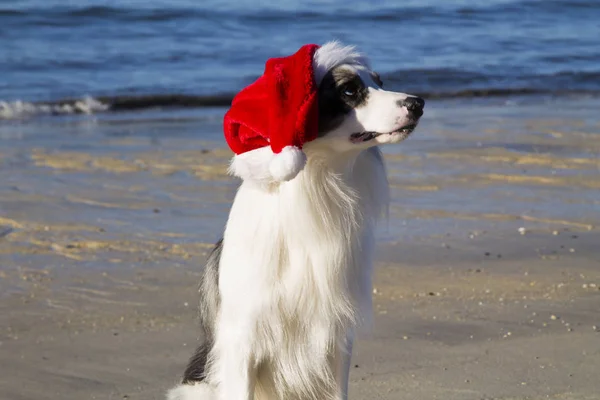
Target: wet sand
x,y
488,272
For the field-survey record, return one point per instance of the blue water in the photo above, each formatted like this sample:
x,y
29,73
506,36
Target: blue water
x,y
56,49
528,148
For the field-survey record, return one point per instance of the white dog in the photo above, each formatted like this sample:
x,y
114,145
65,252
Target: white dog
x,y
285,290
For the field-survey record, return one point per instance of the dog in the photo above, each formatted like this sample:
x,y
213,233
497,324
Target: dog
x,y
286,289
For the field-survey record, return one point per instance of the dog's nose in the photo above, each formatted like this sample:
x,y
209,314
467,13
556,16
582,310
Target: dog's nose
x,y
413,104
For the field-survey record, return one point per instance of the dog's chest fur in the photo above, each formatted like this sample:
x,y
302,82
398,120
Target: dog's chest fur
x,y
296,264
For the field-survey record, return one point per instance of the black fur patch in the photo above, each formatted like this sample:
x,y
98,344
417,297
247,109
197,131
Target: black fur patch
x,y
340,92
209,291
209,303
196,368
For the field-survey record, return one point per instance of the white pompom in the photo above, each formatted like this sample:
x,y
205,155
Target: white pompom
x,y
287,164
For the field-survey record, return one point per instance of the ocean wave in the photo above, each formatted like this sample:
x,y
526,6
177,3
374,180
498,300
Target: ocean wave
x,y
91,105
76,14
101,104
505,92
101,12
444,83
21,109
447,82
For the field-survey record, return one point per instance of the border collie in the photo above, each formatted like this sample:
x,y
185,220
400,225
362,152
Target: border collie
x,y
285,290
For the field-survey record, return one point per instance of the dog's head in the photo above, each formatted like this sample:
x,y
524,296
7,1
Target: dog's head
x,y
355,112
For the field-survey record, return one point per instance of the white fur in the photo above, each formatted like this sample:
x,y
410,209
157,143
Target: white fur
x,y
332,54
200,391
296,264
295,278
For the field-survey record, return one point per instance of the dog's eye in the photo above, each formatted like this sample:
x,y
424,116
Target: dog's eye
x,y
350,90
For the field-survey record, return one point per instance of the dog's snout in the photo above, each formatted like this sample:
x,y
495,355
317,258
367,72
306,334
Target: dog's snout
x,y
413,104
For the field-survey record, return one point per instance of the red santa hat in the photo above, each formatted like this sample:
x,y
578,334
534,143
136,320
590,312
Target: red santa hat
x,y
279,110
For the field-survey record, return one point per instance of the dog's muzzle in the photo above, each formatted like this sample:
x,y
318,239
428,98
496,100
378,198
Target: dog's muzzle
x,y
414,105
360,137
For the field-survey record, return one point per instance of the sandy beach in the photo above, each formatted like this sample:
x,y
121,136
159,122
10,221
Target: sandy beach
x,y
487,280
517,328
114,188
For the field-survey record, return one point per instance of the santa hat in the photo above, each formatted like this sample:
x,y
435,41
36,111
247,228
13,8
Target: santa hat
x,y
279,110
270,120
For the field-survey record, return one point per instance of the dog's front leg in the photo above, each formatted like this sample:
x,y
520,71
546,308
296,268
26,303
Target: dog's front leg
x,y
341,365
234,364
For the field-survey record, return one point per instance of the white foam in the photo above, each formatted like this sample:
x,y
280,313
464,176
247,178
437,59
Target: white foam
x,y
22,109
